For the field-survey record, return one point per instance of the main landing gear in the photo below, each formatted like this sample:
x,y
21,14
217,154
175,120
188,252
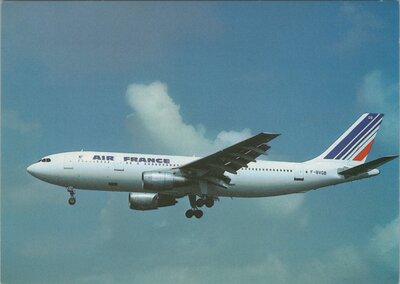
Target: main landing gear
x,y
72,199
207,201
195,203
194,212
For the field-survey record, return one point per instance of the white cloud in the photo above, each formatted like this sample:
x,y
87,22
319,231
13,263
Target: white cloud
x,y
157,117
13,120
376,95
226,138
160,118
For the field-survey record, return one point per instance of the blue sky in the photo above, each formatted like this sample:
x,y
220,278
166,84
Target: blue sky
x,y
220,71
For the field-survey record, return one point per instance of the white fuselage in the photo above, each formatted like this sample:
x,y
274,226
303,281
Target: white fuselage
x,y
123,172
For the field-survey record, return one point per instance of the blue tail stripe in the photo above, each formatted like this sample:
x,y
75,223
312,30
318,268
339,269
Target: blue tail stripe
x,y
360,137
332,154
356,147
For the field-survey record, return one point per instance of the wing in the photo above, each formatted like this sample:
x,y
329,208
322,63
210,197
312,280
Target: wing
x,y
213,167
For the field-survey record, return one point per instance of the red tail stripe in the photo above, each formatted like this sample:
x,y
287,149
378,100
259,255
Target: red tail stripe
x,y
361,156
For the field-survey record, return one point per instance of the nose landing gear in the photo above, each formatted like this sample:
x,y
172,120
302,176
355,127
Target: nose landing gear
x,y
72,199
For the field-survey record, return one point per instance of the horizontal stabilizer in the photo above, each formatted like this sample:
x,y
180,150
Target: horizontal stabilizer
x,y
363,168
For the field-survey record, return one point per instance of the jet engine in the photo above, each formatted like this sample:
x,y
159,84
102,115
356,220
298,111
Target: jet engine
x,y
149,201
157,180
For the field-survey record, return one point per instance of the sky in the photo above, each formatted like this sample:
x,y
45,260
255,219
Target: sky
x,y
188,78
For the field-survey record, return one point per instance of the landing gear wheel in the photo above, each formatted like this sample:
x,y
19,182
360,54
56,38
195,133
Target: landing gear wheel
x,y
189,213
71,200
200,202
209,202
71,192
195,203
198,214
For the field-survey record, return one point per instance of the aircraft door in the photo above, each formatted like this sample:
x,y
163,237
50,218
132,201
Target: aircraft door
x,y
119,166
299,174
68,162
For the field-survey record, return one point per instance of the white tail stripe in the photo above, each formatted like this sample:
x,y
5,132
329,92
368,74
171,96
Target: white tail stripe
x,y
362,141
362,146
374,122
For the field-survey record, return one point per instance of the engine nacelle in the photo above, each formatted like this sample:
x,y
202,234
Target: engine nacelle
x,y
149,201
157,180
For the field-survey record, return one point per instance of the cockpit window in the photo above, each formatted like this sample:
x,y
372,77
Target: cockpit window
x,y
45,160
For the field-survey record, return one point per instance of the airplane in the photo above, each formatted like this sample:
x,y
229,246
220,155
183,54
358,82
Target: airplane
x,y
155,181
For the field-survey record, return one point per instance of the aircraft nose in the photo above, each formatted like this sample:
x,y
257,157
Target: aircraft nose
x,y
32,169
43,171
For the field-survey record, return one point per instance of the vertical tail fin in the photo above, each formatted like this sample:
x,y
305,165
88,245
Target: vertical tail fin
x,y
356,142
